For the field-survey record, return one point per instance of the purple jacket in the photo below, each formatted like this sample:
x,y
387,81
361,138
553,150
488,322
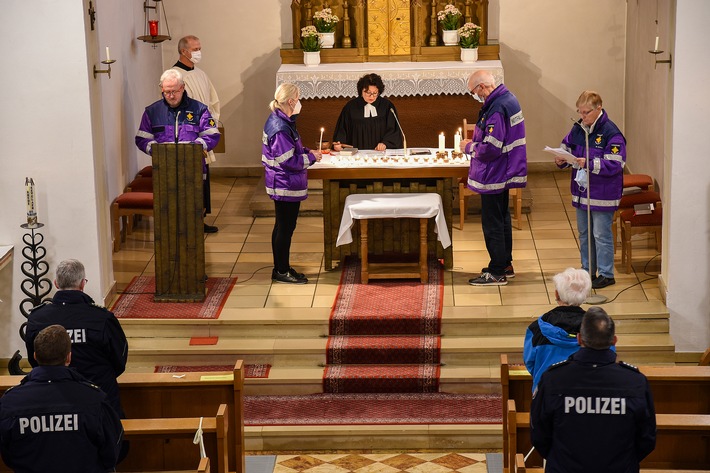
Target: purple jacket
x,y
192,119
498,154
607,158
285,159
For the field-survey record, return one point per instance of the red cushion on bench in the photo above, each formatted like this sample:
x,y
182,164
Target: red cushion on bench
x,y
655,218
141,184
135,200
146,172
638,180
645,197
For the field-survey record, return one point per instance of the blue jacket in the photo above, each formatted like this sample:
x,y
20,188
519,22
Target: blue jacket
x,y
55,420
285,159
550,339
607,158
498,151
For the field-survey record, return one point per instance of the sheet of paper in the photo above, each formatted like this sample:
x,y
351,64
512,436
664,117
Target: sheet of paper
x,y
217,377
562,153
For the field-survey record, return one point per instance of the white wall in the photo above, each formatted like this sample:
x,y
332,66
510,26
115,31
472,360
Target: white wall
x,y
551,51
687,207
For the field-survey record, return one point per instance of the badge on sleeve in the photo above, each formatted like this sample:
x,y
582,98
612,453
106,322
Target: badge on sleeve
x,y
598,140
212,123
190,116
615,149
489,128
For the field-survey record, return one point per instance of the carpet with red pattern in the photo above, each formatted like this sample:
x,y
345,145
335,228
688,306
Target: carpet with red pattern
x,y
136,301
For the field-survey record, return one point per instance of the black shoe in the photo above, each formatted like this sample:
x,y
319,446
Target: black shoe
x,y
602,281
287,278
487,279
509,271
211,229
296,274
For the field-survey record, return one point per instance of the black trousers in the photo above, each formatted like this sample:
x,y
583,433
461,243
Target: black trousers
x,y
206,197
286,216
497,231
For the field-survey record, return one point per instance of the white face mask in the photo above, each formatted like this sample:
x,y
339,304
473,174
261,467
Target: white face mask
x,y
297,108
196,56
477,98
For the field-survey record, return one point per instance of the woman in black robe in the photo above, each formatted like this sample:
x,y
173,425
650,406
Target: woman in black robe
x,y
368,121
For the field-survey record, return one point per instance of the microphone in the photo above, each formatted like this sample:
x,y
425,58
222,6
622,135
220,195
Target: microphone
x,y
404,138
177,117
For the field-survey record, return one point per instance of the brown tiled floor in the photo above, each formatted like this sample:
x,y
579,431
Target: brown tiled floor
x,y
382,463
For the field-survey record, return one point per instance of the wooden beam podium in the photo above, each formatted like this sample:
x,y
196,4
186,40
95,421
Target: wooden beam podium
x,y
178,224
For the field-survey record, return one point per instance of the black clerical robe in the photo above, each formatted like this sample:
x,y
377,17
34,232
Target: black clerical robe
x,y
365,133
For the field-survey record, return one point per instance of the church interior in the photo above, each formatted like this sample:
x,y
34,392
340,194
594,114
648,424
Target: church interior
x,y
644,58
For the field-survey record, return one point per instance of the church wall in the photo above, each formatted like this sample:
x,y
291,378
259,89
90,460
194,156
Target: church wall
x,y
551,51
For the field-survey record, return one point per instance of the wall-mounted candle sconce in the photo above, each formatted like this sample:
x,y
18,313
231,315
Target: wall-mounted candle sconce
x,y
108,61
152,23
655,51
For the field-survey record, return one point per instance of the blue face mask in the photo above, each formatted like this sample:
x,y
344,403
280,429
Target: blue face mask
x,y
581,178
477,98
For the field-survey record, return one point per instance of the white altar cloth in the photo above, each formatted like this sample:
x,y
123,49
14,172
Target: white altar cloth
x,y
401,79
424,205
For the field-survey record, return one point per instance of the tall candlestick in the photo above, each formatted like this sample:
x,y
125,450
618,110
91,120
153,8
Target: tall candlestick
x,y
457,140
320,142
31,203
442,142
655,48
108,55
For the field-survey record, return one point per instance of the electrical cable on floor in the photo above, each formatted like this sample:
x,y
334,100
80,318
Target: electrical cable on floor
x,y
638,283
253,274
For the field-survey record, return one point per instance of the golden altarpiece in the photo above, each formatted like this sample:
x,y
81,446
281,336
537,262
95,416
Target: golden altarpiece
x,y
387,30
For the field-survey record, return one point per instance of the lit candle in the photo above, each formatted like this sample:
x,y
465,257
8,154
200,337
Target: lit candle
x,y
655,48
442,142
320,142
457,140
153,26
31,204
108,55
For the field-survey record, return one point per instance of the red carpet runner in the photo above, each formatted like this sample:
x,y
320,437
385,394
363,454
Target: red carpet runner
x,y
384,336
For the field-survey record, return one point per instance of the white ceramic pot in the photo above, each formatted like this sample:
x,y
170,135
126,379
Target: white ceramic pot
x,y
450,37
311,58
469,54
327,40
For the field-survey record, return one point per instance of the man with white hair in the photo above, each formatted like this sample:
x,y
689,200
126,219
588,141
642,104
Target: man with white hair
x,y
177,118
553,336
199,87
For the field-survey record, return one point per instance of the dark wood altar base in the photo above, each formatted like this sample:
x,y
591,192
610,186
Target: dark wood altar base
x,y
422,118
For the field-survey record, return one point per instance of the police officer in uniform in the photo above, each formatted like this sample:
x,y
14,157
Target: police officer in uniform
x,y
55,419
99,346
590,414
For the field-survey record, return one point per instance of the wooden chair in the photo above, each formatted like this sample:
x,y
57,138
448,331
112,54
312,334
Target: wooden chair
x,y
705,359
125,205
635,224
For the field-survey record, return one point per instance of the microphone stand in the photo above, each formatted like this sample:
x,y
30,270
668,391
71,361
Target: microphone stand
x,y
595,298
404,138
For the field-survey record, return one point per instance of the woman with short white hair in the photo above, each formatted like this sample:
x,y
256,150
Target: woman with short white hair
x,y
553,336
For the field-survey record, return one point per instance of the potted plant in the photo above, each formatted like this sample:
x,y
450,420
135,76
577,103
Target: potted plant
x,y
310,42
469,37
325,22
449,18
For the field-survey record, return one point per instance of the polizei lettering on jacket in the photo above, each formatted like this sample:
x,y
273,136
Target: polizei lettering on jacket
x,y
49,423
77,335
595,405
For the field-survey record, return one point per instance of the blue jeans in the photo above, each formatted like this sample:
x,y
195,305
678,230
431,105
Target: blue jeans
x,y
602,242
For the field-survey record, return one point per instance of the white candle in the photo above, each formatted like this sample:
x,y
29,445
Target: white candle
x,y
457,141
320,142
442,142
108,55
31,203
655,48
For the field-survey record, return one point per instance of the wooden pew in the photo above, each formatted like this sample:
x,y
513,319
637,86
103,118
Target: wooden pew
x,y
204,466
195,394
676,390
521,468
150,437
682,441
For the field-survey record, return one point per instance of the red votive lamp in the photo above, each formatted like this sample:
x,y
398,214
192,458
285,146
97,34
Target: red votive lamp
x,y
153,26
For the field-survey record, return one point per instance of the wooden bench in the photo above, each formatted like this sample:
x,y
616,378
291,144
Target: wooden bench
x,y
676,390
204,466
167,443
521,468
681,440
157,395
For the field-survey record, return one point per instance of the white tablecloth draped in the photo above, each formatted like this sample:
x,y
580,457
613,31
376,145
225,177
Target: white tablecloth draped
x,y
401,79
421,205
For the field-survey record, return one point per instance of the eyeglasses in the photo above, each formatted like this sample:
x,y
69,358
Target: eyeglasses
x,y
584,113
172,93
473,91
371,94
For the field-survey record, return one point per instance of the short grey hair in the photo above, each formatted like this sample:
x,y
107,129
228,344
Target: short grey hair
x,y
70,273
598,329
172,74
572,285
185,41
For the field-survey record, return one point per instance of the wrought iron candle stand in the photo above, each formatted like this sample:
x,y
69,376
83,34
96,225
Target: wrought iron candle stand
x,y
36,285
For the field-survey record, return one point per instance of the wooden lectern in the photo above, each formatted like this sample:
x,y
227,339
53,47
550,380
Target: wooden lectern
x,y
178,224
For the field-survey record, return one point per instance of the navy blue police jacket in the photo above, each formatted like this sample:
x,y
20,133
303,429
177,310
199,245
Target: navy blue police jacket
x,y
56,420
99,346
590,414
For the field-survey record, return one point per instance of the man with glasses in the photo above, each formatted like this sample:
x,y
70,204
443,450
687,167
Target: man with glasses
x,y
368,121
498,163
99,346
177,118
602,178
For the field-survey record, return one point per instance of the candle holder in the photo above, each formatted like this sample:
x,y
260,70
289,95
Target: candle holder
x,y
108,62
36,284
656,52
442,154
456,155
